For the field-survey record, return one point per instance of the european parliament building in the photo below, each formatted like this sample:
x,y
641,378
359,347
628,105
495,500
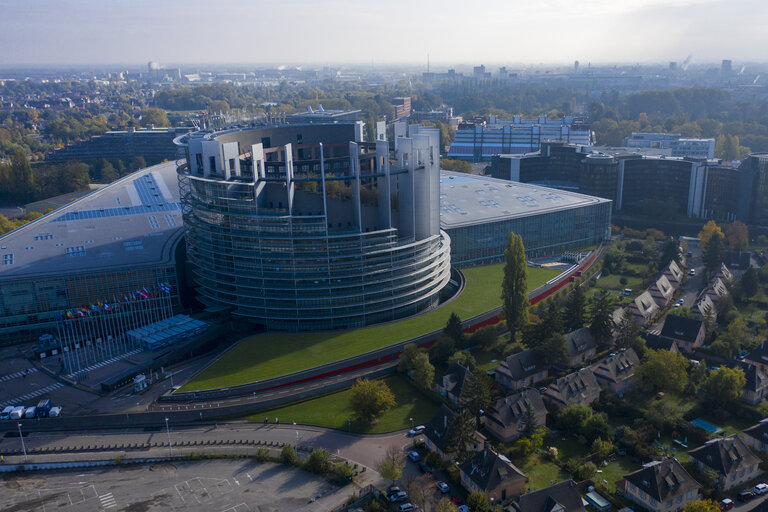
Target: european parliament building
x,y
289,227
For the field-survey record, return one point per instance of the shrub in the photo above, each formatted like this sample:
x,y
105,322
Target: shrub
x,y
288,455
262,454
343,472
319,461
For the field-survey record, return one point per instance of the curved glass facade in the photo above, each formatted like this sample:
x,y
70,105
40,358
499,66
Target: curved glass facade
x,y
307,258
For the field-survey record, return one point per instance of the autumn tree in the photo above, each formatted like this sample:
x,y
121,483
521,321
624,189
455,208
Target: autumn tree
x,y
709,229
514,285
737,235
392,465
702,506
370,398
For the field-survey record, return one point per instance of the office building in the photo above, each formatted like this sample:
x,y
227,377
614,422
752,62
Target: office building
x,y
401,107
154,144
323,116
671,144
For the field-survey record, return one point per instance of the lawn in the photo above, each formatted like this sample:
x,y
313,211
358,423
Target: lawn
x,y
332,410
271,355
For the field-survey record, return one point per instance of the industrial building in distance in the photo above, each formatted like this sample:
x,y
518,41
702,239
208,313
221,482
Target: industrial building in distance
x,y
672,187
290,227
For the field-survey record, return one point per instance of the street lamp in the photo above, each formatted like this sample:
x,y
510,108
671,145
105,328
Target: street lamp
x,y
168,429
24,448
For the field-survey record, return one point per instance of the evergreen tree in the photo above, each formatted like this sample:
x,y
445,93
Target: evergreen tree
x,y
601,309
476,393
454,330
514,287
575,307
627,331
461,433
671,251
714,251
528,422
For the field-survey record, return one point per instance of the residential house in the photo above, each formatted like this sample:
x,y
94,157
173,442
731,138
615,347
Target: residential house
x,y
581,347
504,418
730,458
662,291
716,289
674,274
579,387
524,369
617,371
723,273
492,474
452,383
756,387
660,486
658,342
437,434
704,304
562,497
688,333
643,308
759,356
756,436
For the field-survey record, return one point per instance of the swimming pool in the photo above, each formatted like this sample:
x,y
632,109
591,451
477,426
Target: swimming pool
x,y
705,425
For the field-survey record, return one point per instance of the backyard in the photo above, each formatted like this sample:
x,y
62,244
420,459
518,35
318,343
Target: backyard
x,y
271,355
332,410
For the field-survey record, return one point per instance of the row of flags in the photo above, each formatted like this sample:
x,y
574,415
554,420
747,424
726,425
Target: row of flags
x,y
117,303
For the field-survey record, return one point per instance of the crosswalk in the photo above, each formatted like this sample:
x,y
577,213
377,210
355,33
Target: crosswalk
x,y
104,363
17,375
38,392
108,500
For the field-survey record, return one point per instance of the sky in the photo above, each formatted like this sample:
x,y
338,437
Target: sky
x,y
451,32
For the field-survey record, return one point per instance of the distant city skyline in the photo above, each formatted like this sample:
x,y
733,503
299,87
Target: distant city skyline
x,y
69,32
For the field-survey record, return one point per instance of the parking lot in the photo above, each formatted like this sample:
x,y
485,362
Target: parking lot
x,y
218,486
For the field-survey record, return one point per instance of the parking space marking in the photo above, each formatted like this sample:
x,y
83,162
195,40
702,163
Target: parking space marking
x,y
108,500
16,375
36,393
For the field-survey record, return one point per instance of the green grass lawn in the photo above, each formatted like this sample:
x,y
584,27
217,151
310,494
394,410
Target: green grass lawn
x,y
332,410
611,282
271,355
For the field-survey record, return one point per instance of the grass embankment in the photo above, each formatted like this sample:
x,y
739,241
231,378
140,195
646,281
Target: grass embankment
x,y
332,410
271,355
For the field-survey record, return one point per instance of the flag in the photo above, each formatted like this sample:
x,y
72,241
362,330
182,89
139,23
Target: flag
x,y
79,313
106,307
165,287
147,294
143,294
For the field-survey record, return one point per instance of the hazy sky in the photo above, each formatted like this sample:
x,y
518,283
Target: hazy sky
x,y
385,31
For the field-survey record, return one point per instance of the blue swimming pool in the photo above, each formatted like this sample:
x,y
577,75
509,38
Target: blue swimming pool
x,y
705,425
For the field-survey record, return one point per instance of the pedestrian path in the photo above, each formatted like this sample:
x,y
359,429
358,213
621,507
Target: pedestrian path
x,y
104,363
36,393
17,375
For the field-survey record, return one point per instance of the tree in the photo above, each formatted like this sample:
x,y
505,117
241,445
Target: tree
x,y
601,310
288,455
575,308
514,286
571,418
737,234
528,422
464,358
702,506
392,465
454,330
477,502
663,371
446,505
370,398
724,385
21,181
709,229
714,252
485,337
595,427
154,116
602,448
554,350
407,357
442,350
422,371
627,331
476,393
736,335
671,251
749,282
319,461
461,433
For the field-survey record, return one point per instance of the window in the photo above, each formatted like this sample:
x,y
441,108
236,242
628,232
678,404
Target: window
x,y
212,163
231,164
199,160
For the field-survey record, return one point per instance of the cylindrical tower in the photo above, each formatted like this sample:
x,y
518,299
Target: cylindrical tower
x,y
302,227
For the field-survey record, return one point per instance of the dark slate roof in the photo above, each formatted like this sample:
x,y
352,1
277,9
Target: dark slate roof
x,y
725,455
758,432
579,341
661,479
756,378
618,367
575,384
523,364
681,328
759,354
565,494
437,428
488,470
457,374
656,342
510,409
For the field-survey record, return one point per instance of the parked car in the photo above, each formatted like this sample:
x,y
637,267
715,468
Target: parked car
x,y
424,467
726,504
745,495
692,272
416,430
393,490
681,301
443,487
398,497
690,253
761,488
6,413
414,456
54,412
463,508
406,507
17,413
30,412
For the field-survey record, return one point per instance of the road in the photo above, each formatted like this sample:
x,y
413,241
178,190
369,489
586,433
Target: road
x,y
692,286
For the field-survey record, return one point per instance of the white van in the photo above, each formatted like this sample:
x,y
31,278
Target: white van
x,y
17,413
30,412
6,413
54,412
